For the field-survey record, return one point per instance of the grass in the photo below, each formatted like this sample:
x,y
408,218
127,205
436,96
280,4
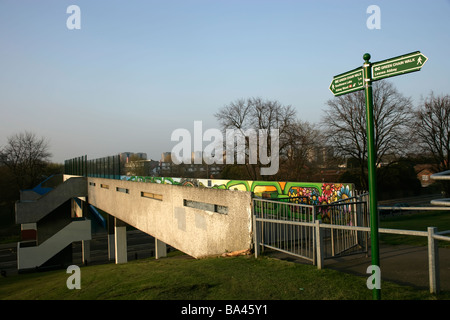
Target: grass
x,y
217,278
417,221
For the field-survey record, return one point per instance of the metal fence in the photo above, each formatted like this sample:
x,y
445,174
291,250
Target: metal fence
x,y
290,227
316,233
285,227
107,167
344,241
433,250
76,166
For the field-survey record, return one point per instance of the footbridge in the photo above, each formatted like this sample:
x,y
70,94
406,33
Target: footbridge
x,y
198,221
200,217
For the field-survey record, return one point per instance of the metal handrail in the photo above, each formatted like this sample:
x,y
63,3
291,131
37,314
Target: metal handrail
x,y
444,175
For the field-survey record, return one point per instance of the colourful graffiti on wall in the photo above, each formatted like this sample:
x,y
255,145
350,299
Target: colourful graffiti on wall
x,y
305,192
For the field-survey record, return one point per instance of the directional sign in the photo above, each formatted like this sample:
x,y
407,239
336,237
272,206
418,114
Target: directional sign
x,y
347,82
362,78
399,65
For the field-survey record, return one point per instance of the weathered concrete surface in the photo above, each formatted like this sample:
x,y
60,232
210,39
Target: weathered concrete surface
x,y
196,232
33,211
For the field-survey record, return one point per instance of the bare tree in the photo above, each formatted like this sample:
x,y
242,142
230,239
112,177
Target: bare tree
x,y
433,130
236,115
302,140
26,156
256,113
346,129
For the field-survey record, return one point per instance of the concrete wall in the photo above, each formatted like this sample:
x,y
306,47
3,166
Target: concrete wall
x,y
164,212
314,193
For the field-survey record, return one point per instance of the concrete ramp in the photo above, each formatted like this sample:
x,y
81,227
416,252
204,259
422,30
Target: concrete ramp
x,y
198,221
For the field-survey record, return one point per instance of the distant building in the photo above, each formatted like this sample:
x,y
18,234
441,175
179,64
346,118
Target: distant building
x,y
127,156
193,170
320,156
424,171
136,164
142,168
165,164
166,157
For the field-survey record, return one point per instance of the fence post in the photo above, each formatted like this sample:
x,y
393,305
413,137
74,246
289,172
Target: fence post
x,y
433,261
255,232
319,245
313,220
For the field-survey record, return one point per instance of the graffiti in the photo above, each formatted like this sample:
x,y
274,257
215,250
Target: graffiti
x,y
301,192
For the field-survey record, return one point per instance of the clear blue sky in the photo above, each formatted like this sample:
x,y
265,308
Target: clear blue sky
x,y
138,70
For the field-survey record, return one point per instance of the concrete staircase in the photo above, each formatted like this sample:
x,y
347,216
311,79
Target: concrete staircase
x,y
31,211
36,256
49,223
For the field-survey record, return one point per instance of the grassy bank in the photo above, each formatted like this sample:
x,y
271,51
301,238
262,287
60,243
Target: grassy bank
x,y
233,278
182,278
416,221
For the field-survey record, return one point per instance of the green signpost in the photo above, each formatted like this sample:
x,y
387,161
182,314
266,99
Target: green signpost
x,y
362,78
348,82
399,65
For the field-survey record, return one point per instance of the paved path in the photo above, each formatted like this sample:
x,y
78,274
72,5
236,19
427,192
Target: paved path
x,y
402,264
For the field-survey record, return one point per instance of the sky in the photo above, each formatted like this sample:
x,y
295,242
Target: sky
x,y
137,70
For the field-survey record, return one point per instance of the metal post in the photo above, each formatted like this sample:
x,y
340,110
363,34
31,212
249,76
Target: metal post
x,y
118,166
261,235
371,166
319,245
255,234
108,166
433,261
308,219
332,232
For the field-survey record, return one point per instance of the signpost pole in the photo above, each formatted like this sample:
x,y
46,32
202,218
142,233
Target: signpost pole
x,y
359,79
372,171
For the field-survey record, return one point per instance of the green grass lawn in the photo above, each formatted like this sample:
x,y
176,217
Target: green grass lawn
x,y
233,278
418,222
217,278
